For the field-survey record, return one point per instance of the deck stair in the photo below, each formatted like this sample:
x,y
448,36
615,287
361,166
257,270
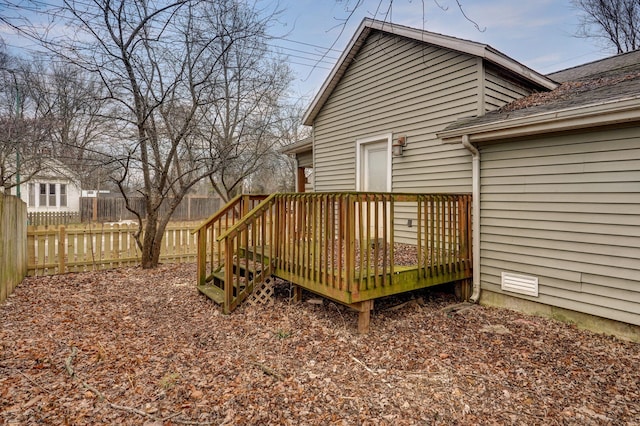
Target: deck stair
x,y
247,274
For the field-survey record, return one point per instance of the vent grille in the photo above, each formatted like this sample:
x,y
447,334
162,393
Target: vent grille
x,y
522,284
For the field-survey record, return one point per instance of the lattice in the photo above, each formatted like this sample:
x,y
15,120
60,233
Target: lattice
x,y
262,293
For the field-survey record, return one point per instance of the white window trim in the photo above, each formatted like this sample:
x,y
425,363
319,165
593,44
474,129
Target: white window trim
x,y
359,147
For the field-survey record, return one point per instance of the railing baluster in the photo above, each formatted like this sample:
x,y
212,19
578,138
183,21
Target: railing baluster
x,y
432,235
391,237
377,281
419,233
361,200
367,245
326,240
350,243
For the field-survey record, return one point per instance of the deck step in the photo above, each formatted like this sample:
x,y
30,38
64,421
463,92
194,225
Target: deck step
x,y
212,292
217,275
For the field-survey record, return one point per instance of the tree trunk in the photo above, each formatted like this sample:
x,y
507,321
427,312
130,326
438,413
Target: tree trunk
x,y
150,261
152,241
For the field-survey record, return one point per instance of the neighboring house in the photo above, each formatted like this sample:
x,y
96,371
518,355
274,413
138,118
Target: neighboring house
x,y
559,210
54,189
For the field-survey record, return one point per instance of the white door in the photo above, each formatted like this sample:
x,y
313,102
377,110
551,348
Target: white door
x,y
374,167
374,177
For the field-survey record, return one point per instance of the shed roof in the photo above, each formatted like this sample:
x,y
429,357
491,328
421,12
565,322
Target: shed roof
x,y
303,145
606,84
367,26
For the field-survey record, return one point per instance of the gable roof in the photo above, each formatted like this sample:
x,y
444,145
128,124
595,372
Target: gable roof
x,y
595,94
367,26
52,168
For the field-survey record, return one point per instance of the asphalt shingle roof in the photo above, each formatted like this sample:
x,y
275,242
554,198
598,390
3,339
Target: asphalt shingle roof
x,y
610,79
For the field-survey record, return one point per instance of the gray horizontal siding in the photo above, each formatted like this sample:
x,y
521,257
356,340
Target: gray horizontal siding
x,y
567,210
305,159
400,86
500,90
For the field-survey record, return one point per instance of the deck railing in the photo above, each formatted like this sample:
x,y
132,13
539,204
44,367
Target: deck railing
x,y
247,256
350,247
210,250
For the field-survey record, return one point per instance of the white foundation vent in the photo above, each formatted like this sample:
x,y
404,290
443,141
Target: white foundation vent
x,y
517,283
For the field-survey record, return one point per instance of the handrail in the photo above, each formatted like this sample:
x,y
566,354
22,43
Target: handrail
x,y
225,209
267,202
246,262
215,225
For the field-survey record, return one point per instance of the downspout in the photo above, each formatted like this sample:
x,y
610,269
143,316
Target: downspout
x,y
475,214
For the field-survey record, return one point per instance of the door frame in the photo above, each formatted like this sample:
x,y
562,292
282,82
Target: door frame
x,y
360,146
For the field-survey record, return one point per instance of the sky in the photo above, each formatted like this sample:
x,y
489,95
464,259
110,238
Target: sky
x,y
538,33
313,33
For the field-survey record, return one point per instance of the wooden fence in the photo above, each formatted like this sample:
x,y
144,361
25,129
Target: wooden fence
x,y
112,209
52,218
89,247
13,236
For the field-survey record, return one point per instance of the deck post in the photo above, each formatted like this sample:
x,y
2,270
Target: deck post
x,y
297,294
202,256
228,275
364,309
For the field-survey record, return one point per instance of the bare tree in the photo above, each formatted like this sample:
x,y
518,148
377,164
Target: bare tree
x,y
250,85
72,102
617,22
23,135
278,172
182,106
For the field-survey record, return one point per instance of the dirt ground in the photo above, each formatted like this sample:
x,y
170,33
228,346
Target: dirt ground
x,y
132,346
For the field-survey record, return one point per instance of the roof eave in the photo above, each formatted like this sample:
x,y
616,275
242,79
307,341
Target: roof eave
x,y
336,72
594,115
504,61
296,148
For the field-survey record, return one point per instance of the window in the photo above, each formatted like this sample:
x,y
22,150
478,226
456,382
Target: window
x,y
63,195
52,194
32,194
43,195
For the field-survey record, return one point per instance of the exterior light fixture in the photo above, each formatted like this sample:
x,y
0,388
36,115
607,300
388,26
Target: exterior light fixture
x,y
398,145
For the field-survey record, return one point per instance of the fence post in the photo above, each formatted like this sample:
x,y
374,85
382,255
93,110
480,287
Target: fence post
x,y
62,239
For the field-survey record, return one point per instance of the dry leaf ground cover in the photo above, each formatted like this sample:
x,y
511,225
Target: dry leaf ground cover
x,y
132,346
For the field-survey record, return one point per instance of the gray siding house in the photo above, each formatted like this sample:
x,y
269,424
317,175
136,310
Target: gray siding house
x,y
393,81
553,162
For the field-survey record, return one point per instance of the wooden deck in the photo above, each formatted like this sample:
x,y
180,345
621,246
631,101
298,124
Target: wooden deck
x,y
350,247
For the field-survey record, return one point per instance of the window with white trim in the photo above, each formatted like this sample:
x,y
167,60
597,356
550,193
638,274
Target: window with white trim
x,y
32,194
42,200
63,195
52,194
